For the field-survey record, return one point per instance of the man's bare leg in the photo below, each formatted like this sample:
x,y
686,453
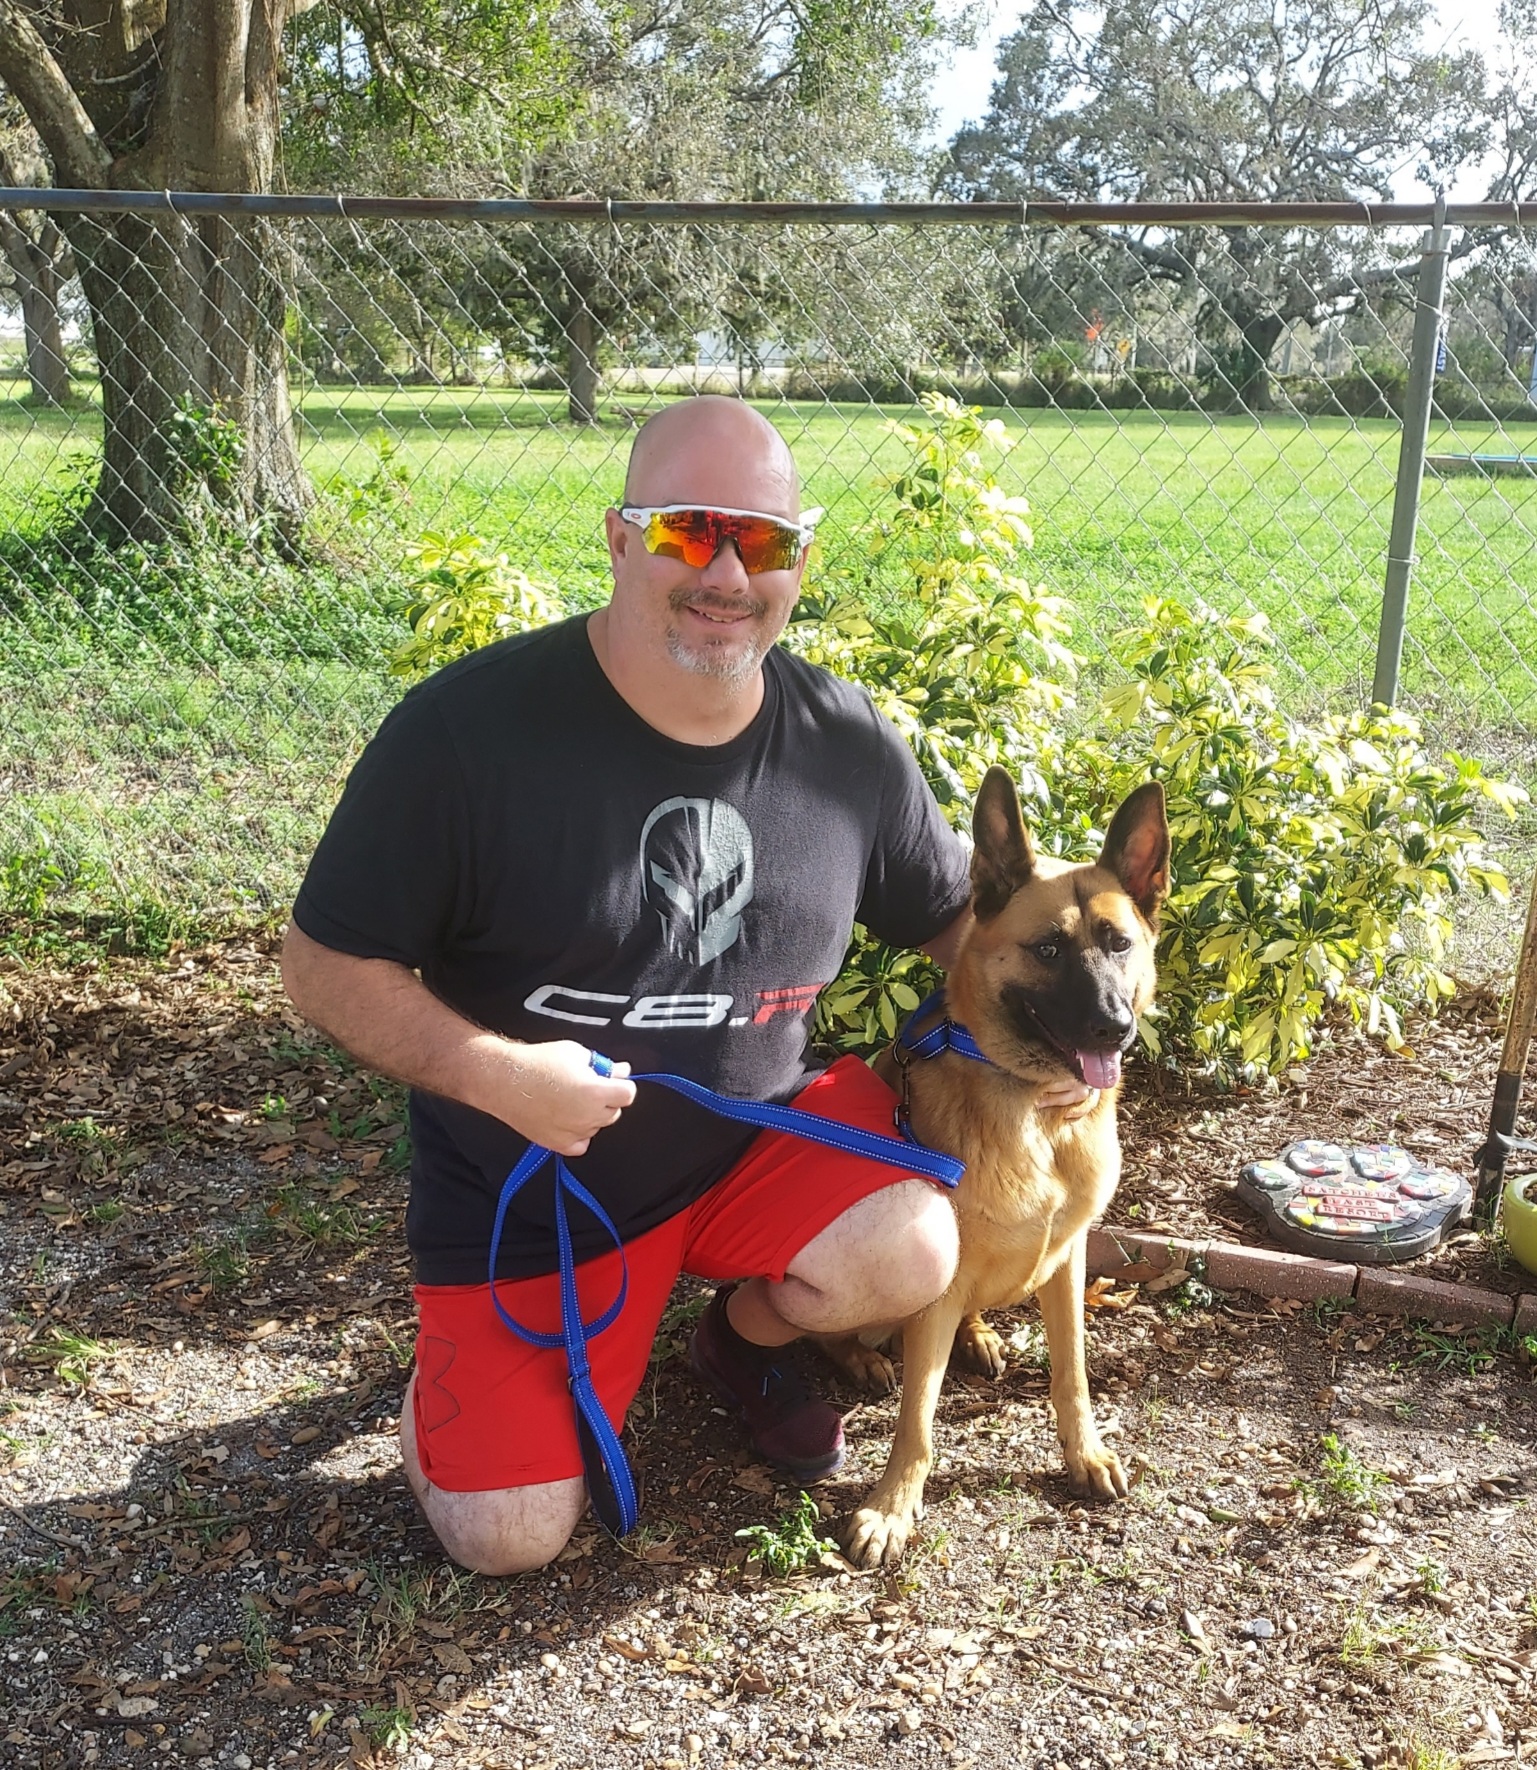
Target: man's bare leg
x,y
884,1259
510,1529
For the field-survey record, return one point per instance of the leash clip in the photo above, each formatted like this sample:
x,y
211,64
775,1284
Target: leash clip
x,y
902,1118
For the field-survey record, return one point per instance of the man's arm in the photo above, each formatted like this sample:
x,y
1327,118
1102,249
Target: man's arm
x,y
943,948
388,1019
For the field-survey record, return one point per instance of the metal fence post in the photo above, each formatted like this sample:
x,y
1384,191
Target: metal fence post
x,y
1430,298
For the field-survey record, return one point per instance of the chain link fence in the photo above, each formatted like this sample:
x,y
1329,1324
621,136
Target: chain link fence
x,y
232,447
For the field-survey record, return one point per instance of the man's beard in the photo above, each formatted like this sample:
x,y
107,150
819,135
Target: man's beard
x,y
711,658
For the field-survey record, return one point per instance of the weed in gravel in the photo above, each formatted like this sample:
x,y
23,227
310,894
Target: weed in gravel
x,y
226,1263
1415,1753
1344,1479
676,1329
1325,1312
649,1541
1192,1295
1367,1634
18,1589
98,1148
387,1729
254,1636
320,1222
73,1356
297,1052
105,1213
1432,1577
1472,1352
791,1544
406,1595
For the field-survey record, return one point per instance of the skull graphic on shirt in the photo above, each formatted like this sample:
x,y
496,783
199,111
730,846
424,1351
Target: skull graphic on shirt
x,y
697,874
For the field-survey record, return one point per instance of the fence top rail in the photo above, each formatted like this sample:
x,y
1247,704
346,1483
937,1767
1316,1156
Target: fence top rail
x,y
1027,214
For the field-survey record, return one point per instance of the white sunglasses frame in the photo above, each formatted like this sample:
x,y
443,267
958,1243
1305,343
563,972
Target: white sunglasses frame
x,y
638,515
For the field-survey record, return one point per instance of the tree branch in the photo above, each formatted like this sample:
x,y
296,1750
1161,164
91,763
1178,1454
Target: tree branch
x,y
27,65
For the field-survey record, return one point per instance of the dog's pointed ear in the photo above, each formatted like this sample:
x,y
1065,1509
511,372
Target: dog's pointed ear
x,y
1003,859
1137,849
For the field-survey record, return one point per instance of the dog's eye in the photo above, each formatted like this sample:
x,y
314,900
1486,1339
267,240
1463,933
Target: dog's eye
x,y
1120,943
1046,951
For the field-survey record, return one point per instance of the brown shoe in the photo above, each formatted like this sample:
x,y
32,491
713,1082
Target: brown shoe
x,y
786,1423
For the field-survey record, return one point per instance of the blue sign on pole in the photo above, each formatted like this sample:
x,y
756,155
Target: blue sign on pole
x,y
1441,350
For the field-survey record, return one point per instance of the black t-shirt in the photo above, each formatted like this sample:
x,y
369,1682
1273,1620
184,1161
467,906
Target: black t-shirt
x,y
557,868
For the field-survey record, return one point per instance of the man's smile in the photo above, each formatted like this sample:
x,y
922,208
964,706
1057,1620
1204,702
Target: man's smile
x,y
717,613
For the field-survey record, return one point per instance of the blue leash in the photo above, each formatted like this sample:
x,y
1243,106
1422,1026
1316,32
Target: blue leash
x,y
609,1480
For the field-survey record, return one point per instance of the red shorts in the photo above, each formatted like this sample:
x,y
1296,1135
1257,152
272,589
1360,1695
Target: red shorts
x,y
494,1412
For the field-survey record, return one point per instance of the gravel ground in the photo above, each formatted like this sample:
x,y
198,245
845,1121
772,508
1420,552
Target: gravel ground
x,y
207,1552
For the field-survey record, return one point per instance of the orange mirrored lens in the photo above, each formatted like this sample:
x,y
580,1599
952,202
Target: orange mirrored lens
x,y
696,536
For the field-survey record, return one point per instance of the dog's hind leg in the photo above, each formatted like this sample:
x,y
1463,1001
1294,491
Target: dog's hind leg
x,y
1092,1470
878,1531
865,1365
980,1347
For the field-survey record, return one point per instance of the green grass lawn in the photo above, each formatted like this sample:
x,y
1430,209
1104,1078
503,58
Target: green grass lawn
x,y
200,778
1289,516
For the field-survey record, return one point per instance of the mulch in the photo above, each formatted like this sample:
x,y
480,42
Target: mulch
x,y
207,1552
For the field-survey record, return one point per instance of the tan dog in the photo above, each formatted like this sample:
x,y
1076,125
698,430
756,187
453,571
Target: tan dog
x,y
1052,977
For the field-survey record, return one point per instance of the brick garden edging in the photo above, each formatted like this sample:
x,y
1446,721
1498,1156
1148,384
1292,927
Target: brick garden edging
x,y
1267,1272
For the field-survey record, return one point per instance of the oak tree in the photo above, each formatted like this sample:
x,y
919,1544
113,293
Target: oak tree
x,y
1227,101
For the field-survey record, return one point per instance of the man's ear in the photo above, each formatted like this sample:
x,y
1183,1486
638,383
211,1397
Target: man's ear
x,y
618,533
1137,849
1003,859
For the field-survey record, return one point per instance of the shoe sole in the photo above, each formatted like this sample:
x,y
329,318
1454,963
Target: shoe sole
x,y
807,1472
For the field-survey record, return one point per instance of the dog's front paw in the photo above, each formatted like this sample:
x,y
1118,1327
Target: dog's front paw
x,y
874,1538
980,1347
1095,1473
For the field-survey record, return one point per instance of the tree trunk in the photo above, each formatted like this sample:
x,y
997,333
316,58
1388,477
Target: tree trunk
x,y
581,362
34,265
1249,365
187,313
188,318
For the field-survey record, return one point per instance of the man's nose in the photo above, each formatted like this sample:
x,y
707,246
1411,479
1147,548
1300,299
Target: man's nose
x,y
725,571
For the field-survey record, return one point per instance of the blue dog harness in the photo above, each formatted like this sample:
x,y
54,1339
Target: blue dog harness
x,y
609,1480
945,1035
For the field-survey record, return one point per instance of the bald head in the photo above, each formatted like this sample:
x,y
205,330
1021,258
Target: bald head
x,y
712,450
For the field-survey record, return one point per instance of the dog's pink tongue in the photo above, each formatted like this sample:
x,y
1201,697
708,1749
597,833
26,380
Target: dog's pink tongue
x,y
1101,1069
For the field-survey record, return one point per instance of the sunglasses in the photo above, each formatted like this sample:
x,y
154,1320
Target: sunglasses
x,y
683,531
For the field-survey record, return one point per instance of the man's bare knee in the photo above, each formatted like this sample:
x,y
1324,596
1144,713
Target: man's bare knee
x,y
502,1532
885,1258
513,1530
920,1261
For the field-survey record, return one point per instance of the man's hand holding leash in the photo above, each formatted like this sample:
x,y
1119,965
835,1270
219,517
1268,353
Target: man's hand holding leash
x,y
555,1097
